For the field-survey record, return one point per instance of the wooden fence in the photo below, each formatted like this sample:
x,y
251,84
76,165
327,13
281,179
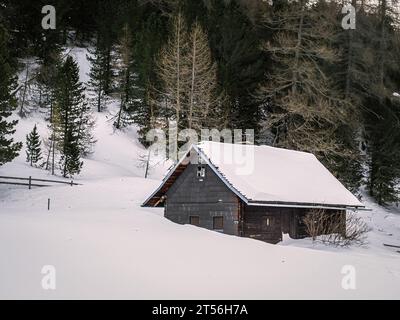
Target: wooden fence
x,y
31,182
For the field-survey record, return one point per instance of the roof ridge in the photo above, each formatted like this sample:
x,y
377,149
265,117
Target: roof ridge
x,y
256,146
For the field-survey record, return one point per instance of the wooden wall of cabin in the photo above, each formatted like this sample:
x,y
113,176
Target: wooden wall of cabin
x,y
208,197
268,223
263,223
205,198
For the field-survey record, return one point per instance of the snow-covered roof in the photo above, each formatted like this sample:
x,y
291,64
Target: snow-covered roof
x,y
266,175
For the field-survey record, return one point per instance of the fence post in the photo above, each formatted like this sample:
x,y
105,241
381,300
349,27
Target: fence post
x,y
72,183
48,204
30,182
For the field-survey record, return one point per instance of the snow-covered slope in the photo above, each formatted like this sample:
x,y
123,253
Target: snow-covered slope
x,y
116,153
102,244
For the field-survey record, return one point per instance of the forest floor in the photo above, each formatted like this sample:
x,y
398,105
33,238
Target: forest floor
x,y
102,244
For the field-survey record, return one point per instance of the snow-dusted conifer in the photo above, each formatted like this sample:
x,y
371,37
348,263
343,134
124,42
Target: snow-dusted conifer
x,y
33,147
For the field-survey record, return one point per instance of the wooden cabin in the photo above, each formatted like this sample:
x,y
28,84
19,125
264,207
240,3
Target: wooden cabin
x,y
251,191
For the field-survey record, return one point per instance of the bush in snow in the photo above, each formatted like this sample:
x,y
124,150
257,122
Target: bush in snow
x,y
335,228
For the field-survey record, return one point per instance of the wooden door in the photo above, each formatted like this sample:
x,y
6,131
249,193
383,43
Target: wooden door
x,y
263,224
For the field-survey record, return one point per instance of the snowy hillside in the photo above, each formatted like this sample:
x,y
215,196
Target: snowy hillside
x,y
104,245
117,153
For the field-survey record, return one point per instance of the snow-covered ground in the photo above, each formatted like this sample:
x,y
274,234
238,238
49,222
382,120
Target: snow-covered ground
x,y
102,244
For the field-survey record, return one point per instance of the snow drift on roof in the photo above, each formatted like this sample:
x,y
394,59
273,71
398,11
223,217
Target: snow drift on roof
x,y
267,174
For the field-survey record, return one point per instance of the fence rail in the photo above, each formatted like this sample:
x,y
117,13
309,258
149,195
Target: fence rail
x,y
391,245
30,180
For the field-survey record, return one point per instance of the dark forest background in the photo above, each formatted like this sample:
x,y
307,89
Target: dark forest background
x,y
286,69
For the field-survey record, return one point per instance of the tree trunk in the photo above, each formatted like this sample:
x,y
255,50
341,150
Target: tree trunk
x,y
124,98
297,52
382,48
349,62
192,81
53,153
118,123
147,165
65,139
99,100
108,71
21,111
178,71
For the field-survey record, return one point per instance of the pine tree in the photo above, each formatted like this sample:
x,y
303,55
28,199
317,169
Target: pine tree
x,y
382,116
173,70
305,112
126,79
203,102
46,80
108,27
384,154
25,90
52,142
71,157
33,150
72,131
97,83
8,149
147,44
189,78
353,76
241,65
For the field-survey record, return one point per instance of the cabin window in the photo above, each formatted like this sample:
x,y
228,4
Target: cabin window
x,y
218,223
194,220
201,168
201,171
266,222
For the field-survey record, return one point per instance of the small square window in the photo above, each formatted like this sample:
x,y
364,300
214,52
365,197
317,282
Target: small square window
x,y
218,223
266,222
201,172
194,220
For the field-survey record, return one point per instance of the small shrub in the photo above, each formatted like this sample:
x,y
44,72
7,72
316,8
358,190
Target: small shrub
x,y
335,229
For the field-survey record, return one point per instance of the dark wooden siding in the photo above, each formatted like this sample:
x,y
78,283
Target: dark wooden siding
x,y
282,220
208,197
157,199
189,196
254,224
